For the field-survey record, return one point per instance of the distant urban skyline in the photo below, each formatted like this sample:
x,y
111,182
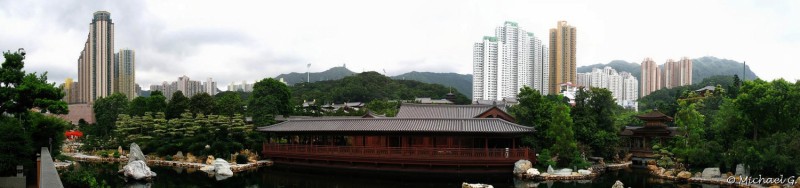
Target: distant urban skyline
x,y
171,41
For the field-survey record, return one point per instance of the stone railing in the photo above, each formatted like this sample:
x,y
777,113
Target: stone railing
x,y
46,172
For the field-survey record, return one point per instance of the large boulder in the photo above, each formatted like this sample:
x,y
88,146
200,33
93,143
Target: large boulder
x,y
711,173
652,168
797,183
221,167
584,172
684,175
178,156
668,173
207,168
550,169
136,153
618,184
521,166
138,170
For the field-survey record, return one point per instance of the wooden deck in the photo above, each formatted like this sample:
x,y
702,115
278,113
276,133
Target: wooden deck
x,y
436,160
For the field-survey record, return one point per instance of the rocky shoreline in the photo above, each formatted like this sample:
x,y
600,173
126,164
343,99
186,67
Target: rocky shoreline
x,y
234,167
710,176
523,169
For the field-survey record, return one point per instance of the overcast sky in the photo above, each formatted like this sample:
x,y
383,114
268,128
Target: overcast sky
x,y
250,40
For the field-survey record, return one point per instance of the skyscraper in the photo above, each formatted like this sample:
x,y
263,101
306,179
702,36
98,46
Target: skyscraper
x,y
651,77
562,55
506,62
96,62
210,87
125,73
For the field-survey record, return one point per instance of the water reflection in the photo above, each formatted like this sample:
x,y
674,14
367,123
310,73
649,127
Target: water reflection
x,y
271,177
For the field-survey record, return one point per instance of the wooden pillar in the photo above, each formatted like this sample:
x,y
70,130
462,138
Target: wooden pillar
x,y
486,146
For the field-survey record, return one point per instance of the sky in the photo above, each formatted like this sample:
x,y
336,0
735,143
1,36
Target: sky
x,y
233,41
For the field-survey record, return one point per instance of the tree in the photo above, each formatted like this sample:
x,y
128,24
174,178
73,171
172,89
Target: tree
x,y
692,145
533,110
15,146
202,103
270,97
138,106
229,103
177,105
20,92
594,118
156,102
564,144
106,110
47,131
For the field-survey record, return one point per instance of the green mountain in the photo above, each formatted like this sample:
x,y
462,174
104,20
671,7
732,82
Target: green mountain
x,y
367,86
334,73
460,82
702,68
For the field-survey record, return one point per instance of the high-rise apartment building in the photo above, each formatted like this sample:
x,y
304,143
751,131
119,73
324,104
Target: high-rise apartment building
x,y
210,87
125,74
96,62
506,62
651,77
670,74
563,40
71,92
186,86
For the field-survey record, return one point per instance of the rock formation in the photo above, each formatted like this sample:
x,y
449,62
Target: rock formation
x,y
532,172
711,173
684,175
475,185
137,167
618,184
221,167
521,167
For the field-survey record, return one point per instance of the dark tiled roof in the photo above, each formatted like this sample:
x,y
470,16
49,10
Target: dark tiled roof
x,y
281,118
638,130
411,125
655,115
441,111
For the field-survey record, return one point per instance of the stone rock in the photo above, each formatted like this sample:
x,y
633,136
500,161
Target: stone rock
x,y
668,173
698,175
741,170
652,168
521,166
628,157
684,175
711,173
532,172
545,174
729,174
550,169
661,170
618,184
475,185
119,150
564,172
584,172
210,160
651,162
136,153
178,156
190,158
221,167
138,170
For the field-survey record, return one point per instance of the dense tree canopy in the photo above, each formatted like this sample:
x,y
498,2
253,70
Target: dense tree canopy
x,y
106,110
229,103
202,104
594,116
270,98
368,86
177,105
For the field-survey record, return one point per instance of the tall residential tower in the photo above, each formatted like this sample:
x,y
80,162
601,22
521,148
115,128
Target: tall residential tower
x,y
125,74
563,40
506,62
96,62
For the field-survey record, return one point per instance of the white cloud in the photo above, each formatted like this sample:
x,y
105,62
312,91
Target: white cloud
x,y
249,40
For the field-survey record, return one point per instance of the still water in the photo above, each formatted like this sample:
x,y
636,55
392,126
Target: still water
x,y
271,177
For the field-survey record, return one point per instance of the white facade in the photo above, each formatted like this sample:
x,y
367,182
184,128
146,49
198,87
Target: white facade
x,y
623,86
502,65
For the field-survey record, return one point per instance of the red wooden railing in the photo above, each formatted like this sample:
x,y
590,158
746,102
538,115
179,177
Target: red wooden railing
x,y
400,153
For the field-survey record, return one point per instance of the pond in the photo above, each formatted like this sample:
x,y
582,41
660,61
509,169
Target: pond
x,y
272,177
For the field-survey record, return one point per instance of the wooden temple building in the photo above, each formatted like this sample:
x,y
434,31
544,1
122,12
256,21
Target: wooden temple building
x,y
473,139
641,138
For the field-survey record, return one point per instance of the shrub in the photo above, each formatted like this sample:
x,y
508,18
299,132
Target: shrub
x,y
63,157
116,154
545,158
241,159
